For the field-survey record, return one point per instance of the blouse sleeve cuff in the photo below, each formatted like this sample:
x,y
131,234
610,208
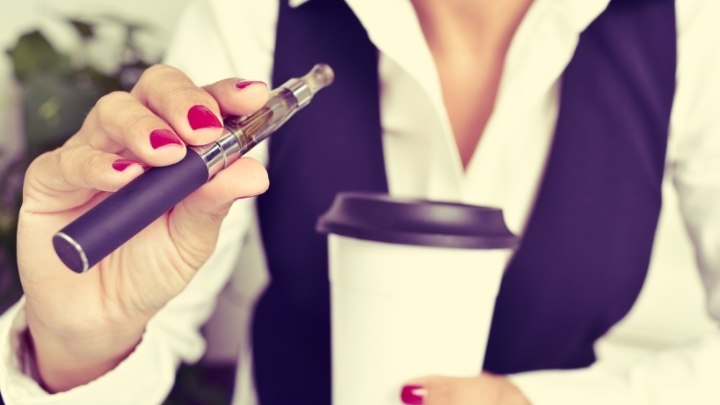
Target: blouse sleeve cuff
x,y
686,374
572,387
144,377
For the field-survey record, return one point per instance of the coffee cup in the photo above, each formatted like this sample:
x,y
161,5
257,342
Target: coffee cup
x,y
413,288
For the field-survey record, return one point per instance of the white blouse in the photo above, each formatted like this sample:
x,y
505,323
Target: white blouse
x,y
667,351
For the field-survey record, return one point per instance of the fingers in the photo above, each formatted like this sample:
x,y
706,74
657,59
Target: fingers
x,y
151,124
126,123
164,109
484,389
191,111
239,97
69,176
444,391
194,113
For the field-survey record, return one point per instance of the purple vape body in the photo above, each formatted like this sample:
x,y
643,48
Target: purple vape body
x,y
108,225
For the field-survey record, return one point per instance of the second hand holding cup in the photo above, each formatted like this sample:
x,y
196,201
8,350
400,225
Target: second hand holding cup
x,y
108,225
413,285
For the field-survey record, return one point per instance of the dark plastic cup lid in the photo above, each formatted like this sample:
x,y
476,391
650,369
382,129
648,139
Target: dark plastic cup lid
x,y
381,218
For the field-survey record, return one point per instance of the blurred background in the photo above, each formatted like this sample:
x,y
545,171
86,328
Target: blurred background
x,y
115,34
56,60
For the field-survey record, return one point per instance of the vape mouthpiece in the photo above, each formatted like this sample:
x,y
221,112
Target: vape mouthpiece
x,y
319,77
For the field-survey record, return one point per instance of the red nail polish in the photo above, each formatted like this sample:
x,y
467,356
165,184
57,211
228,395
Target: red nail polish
x,y
244,83
200,116
122,164
162,137
412,394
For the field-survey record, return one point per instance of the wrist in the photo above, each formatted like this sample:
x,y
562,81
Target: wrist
x,y
65,359
512,394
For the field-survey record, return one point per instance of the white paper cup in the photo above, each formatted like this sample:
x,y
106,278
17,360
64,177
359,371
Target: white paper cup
x,y
413,291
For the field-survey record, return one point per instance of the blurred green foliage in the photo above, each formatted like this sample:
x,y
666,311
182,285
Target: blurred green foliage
x,y
56,95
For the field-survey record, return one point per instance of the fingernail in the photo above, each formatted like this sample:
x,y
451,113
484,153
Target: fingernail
x,y
162,137
200,116
122,164
412,394
244,83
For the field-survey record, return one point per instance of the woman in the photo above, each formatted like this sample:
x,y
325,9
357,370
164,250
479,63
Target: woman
x,y
470,108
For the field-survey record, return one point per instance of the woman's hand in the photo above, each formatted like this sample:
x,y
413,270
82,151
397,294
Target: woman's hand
x,y
486,389
83,325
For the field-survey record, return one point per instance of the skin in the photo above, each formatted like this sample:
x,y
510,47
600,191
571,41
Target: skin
x,y
83,326
469,41
484,389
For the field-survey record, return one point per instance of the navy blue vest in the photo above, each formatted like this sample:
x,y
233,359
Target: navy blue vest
x,y
585,252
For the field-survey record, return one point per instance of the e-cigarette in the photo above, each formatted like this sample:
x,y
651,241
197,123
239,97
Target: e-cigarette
x,y
105,227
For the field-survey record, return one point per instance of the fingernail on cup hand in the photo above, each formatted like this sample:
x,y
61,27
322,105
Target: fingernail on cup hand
x,y
412,394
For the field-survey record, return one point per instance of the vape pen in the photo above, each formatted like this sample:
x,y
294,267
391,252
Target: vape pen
x,y
105,227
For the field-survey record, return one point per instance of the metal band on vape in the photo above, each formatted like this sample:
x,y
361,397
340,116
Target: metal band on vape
x,y
217,156
300,90
224,151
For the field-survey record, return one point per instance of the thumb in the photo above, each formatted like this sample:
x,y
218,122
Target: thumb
x,y
194,224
